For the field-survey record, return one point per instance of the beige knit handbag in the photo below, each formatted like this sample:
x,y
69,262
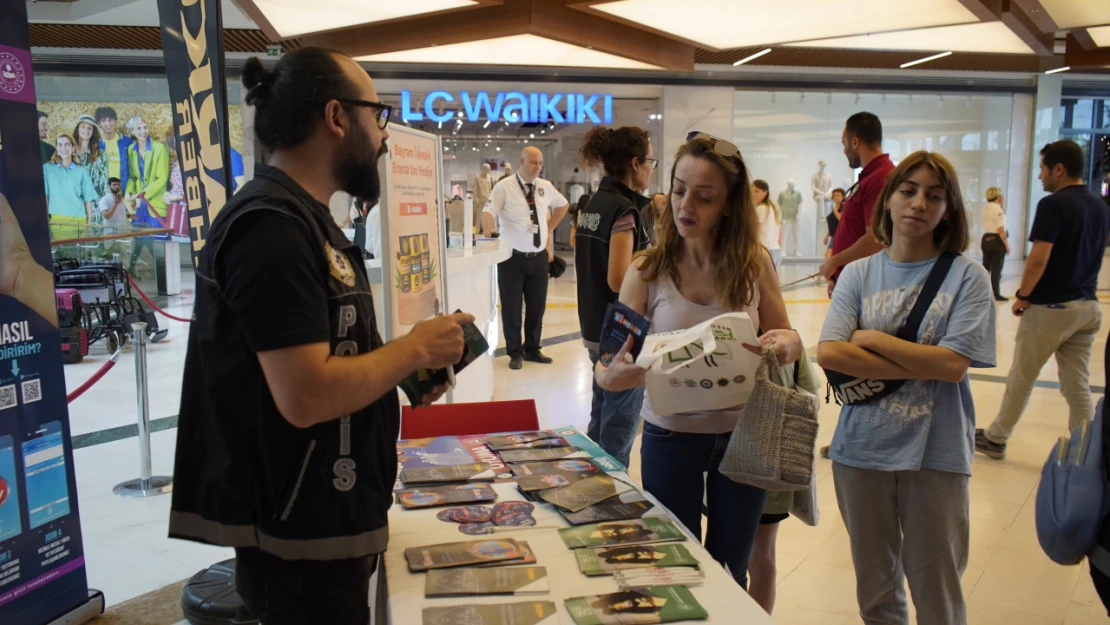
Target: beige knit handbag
x,y
772,444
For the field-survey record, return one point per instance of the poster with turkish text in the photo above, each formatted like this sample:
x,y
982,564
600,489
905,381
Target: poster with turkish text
x,y
42,565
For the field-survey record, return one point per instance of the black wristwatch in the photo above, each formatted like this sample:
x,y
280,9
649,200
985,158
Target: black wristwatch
x,y
1021,297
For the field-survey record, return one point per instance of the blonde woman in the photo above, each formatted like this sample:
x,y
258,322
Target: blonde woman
x,y
770,221
995,244
69,191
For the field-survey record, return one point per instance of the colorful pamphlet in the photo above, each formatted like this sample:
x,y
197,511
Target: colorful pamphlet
x,y
583,494
527,613
608,560
517,580
622,322
451,555
473,472
610,511
657,604
543,455
528,558
432,496
635,532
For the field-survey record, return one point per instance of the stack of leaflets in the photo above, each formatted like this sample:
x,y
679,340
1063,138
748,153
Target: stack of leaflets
x,y
432,496
527,613
588,492
656,604
635,532
537,444
609,511
506,441
543,455
473,472
470,553
517,580
534,476
528,558
609,560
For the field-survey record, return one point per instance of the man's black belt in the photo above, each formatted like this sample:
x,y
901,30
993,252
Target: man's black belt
x,y
528,254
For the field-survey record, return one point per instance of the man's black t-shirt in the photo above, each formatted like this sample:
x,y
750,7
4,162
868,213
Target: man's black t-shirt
x,y
1076,223
275,273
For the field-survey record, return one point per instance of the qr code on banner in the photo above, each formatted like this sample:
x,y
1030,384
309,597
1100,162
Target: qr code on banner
x,y
7,397
32,391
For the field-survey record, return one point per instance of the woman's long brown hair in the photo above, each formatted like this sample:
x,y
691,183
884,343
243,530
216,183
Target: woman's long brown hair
x,y
737,252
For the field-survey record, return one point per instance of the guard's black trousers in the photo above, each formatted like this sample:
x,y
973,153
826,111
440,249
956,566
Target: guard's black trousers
x,y
522,282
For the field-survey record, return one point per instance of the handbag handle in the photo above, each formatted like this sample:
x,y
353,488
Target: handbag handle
x,y
768,363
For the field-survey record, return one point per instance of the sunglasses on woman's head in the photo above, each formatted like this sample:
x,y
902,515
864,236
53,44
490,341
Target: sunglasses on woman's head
x,y
720,146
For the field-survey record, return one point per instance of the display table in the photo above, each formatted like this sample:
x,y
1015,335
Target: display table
x,y
401,593
472,288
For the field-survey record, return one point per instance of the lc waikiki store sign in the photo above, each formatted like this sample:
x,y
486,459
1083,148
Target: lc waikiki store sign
x,y
511,106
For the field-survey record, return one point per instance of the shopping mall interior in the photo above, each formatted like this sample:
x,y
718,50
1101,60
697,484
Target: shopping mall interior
x,y
986,83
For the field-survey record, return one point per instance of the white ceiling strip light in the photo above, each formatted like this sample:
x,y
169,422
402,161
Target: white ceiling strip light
x,y
925,60
1058,70
752,57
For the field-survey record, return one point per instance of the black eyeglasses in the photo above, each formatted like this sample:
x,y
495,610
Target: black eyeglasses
x,y
720,146
654,162
383,110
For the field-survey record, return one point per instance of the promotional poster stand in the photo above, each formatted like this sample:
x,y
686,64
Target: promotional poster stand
x,y
414,241
42,561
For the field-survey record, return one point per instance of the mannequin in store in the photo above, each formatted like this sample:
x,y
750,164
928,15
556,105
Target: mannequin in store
x,y
821,182
483,186
575,190
505,173
790,200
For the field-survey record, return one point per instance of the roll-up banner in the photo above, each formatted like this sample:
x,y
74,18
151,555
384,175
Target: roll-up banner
x,y
42,563
192,45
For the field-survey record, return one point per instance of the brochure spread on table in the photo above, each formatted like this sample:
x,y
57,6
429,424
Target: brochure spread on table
x,y
517,580
474,472
540,444
658,604
521,437
528,613
431,496
634,532
610,511
542,455
462,554
607,560
583,494
527,558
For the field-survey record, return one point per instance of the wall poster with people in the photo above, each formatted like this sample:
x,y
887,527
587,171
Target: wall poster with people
x,y
42,564
413,247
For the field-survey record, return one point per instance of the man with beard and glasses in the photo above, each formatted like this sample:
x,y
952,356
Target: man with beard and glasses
x,y
286,442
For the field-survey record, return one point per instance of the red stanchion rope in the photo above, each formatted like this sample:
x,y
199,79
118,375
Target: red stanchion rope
x,y
153,305
80,390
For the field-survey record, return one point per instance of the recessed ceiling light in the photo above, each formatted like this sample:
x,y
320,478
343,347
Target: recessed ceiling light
x,y
925,60
529,50
486,125
299,18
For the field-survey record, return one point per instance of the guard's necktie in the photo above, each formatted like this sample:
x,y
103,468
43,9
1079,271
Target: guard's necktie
x,y
531,197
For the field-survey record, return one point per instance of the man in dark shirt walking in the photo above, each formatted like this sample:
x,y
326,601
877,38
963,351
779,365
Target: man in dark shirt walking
x,y
1059,313
286,442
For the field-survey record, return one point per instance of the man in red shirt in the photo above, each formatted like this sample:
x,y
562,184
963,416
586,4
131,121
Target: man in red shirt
x,y
863,145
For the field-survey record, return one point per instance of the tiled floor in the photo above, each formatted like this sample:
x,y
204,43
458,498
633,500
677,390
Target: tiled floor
x,y
1009,581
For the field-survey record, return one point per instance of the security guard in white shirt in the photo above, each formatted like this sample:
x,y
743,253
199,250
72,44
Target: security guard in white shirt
x,y
528,209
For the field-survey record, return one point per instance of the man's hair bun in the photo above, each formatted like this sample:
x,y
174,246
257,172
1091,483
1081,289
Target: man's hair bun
x,y
255,75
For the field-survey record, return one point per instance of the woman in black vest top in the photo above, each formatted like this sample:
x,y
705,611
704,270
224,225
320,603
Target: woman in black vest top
x,y
609,232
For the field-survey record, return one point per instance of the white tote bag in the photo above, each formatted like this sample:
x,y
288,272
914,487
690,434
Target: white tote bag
x,y
703,368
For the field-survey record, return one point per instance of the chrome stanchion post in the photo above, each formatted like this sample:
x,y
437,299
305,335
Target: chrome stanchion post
x,y
147,485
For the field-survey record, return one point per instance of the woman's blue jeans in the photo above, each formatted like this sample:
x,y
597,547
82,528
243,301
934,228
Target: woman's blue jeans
x,y
614,418
674,468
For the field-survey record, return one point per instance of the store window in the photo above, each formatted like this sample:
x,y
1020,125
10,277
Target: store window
x,y
1087,122
785,135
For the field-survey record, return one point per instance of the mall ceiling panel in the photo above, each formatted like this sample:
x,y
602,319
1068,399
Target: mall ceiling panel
x,y
724,24
589,40
1077,13
508,51
1079,58
1100,35
290,18
993,37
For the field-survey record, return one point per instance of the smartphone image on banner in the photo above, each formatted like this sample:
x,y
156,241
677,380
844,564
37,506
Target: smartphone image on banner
x,y
44,471
9,491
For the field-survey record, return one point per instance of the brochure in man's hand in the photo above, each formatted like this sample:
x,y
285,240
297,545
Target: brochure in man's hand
x,y
421,382
620,323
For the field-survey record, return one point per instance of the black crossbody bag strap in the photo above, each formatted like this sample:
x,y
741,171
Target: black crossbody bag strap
x,y
928,293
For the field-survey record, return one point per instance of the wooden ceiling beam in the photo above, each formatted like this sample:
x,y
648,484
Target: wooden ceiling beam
x,y
1080,59
985,10
590,30
1036,12
1018,21
251,10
